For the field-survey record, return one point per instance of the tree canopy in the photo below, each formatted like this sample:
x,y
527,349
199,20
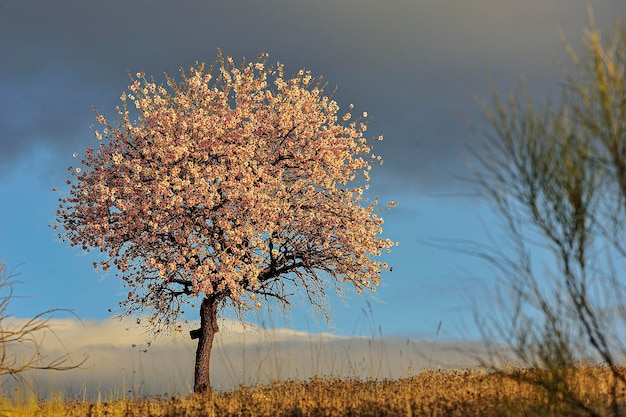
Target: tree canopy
x,y
235,183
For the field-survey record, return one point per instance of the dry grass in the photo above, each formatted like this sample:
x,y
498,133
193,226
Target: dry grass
x,y
429,393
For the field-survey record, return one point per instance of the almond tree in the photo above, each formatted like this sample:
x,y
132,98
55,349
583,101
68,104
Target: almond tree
x,y
232,187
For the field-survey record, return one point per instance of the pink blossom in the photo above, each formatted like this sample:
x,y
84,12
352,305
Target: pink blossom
x,y
225,183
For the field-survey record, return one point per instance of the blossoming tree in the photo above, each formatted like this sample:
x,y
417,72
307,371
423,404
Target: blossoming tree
x,y
234,186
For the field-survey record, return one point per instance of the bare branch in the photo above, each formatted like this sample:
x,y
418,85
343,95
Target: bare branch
x,y
26,336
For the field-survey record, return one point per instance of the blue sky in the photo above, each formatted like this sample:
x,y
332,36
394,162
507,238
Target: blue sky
x,y
416,66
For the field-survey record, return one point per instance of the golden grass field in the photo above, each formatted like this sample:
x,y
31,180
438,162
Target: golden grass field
x,y
430,392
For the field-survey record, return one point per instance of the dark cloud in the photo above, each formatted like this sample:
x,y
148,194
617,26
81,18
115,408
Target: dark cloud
x,y
415,66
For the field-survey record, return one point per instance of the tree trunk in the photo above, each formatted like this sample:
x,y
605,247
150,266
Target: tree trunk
x,y
205,335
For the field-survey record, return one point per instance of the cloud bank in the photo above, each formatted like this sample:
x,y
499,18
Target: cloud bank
x,y
117,362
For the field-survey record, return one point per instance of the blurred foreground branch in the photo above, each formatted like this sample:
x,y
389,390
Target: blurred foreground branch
x,y
556,179
21,340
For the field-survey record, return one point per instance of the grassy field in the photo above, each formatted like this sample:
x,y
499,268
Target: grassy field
x,y
428,393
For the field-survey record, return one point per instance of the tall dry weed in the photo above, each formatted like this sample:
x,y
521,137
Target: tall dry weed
x,y
469,392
